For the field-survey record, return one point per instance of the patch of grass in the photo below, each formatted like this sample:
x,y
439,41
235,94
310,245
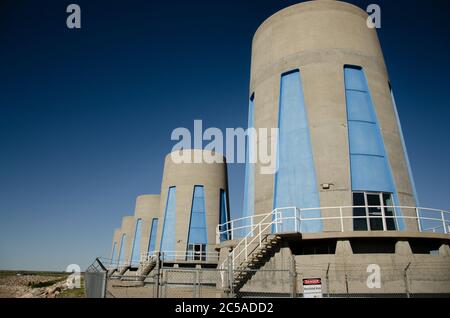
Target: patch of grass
x,y
73,293
44,284
5,273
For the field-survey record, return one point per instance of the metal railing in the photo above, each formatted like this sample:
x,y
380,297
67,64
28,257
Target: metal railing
x,y
427,220
168,256
291,220
240,252
182,256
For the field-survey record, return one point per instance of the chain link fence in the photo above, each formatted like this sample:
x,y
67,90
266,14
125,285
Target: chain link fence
x,y
95,280
350,281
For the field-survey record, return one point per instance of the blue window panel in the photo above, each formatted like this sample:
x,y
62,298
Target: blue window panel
x,y
197,225
154,230
355,79
114,251
295,179
359,106
168,233
121,257
369,166
249,187
199,219
224,216
197,236
198,205
136,250
365,139
369,174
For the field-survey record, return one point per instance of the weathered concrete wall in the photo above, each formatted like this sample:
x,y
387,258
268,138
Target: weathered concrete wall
x,y
347,271
319,38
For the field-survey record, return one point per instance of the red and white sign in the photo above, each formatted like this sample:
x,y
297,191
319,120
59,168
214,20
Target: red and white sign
x,y
312,288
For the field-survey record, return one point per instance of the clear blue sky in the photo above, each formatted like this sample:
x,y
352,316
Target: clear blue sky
x,y
86,115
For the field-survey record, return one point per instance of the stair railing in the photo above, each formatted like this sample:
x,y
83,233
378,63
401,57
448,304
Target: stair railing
x,y
257,234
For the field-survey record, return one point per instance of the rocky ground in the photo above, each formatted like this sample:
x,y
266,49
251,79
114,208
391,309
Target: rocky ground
x,y
15,285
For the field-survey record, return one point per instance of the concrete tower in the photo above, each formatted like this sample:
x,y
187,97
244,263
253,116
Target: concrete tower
x,y
137,236
146,217
343,196
194,201
318,74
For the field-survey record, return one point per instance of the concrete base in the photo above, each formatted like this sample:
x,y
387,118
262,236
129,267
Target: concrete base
x,y
355,266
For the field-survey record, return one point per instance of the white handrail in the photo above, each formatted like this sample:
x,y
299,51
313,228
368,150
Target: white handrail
x,y
231,229
180,255
276,217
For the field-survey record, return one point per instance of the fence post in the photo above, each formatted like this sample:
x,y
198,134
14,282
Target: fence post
x,y
197,283
405,275
327,280
293,274
346,285
158,273
105,286
443,222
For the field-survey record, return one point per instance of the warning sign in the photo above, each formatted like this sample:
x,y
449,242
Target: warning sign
x,y
312,288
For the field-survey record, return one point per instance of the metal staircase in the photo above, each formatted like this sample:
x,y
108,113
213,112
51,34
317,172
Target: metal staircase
x,y
255,249
257,259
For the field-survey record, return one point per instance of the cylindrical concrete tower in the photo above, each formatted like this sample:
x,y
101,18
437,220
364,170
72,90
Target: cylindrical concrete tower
x,y
137,236
115,248
146,217
194,200
342,198
318,74
147,209
126,240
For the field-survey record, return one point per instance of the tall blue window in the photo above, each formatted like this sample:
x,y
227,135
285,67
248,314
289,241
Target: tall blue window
x,y
136,251
168,233
224,216
121,257
295,179
153,232
249,186
197,224
114,251
371,174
